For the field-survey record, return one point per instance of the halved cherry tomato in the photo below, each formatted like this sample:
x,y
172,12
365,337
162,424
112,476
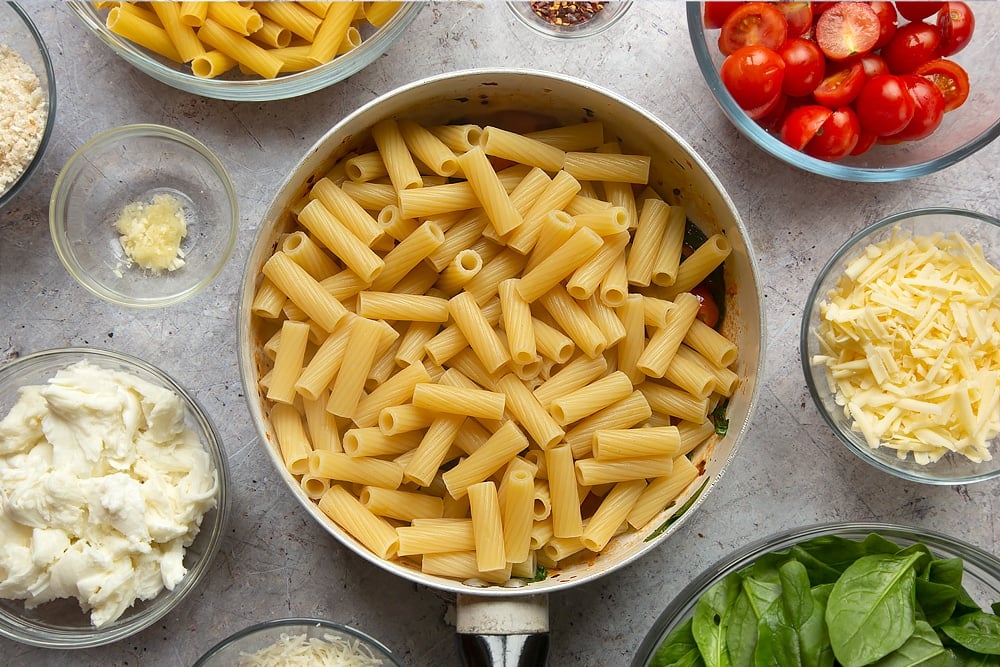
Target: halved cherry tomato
x,y
865,141
873,64
847,29
884,106
913,45
802,123
887,22
950,78
753,23
837,137
804,66
716,13
841,86
766,111
753,75
956,24
928,108
798,15
918,10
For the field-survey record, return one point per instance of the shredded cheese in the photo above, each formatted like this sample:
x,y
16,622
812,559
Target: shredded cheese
x,y
910,341
328,651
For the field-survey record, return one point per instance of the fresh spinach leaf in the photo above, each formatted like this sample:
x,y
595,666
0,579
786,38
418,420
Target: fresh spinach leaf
x,y
871,608
937,601
963,657
978,631
827,557
707,625
814,640
877,544
922,649
777,641
755,597
678,649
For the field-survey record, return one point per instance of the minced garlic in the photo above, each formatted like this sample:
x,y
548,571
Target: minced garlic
x,y
151,232
910,341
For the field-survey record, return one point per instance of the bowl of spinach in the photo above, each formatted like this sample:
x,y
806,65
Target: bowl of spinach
x,y
847,594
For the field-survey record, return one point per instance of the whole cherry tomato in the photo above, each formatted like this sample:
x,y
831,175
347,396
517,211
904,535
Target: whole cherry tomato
x,y
865,141
708,309
956,25
917,10
928,108
913,45
847,29
884,106
837,137
716,13
887,22
950,78
753,75
804,66
753,23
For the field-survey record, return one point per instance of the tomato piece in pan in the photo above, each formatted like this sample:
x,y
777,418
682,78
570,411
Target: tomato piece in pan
x,y
950,78
753,23
847,29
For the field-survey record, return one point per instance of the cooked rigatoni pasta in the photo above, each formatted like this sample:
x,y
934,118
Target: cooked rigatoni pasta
x,y
477,375
254,36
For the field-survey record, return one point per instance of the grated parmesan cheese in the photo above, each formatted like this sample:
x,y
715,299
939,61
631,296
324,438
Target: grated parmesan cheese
x,y
910,342
328,651
23,112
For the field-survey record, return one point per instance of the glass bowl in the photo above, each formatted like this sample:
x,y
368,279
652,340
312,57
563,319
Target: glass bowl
x,y
237,87
981,569
598,22
951,468
19,34
61,624
228,652
143,161
962,132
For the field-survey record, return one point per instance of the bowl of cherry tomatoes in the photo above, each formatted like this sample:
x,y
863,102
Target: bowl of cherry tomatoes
x,y
858,91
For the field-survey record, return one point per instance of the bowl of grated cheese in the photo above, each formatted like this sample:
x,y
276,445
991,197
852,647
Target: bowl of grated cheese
x,y
27,99
143,215
298,641
900,345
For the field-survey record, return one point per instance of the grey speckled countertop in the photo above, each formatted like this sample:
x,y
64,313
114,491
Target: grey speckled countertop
x,y
275,561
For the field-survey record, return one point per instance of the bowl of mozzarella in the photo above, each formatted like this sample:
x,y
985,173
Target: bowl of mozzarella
x,y
899,340
115,497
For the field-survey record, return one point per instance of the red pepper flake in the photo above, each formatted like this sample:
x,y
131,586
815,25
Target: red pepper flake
x,y
567,13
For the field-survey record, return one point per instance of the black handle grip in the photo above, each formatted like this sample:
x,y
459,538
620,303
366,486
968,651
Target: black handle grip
x,y
530,650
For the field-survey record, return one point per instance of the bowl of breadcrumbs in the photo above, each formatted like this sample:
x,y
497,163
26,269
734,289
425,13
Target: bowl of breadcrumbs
x,y
27,99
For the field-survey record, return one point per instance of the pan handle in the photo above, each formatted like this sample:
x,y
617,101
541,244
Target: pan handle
x,y
503,632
